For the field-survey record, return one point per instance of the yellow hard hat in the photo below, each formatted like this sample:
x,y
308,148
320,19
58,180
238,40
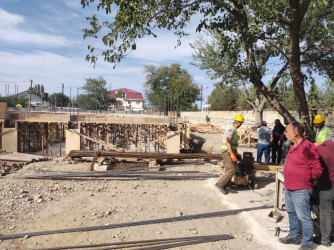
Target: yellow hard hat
x,y
319,118
239,118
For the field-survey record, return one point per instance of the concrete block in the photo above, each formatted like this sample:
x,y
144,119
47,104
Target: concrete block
x,y
98,167
72,140
9,139
173,143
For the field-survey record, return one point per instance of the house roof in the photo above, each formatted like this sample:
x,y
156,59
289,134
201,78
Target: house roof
x,y
130,94
34,98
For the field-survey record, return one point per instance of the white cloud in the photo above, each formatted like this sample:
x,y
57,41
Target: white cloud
x,y
8,20
162,48
11,33
72,3
52,69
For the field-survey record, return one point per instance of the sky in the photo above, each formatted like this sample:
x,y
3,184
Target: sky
x,y
43,41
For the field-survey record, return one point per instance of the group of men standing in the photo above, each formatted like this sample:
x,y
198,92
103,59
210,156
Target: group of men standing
x,y
308,170
272,140
308,167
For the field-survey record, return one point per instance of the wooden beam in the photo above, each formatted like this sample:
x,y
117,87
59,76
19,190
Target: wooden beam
x,y
112,146
267,167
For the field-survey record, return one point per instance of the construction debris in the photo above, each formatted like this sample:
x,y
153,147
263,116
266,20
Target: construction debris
x,y
11,162
209,128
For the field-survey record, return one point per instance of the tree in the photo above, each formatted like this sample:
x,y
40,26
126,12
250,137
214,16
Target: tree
x,y
328,94
84,102
170,88
247,27
314,96
224,97
38,89
97,92
13,100
59,99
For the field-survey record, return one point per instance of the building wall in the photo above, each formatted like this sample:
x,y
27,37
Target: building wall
x,y
225,118
133,103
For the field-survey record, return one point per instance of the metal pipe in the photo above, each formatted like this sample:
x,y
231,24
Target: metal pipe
x,y
145,242
136,223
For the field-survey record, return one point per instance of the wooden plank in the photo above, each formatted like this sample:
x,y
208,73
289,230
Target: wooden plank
x,y
267,167
139,155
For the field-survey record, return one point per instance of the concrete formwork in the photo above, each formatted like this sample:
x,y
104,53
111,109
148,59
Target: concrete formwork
x,y
133,133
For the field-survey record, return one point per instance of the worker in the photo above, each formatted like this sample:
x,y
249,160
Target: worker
x,y
265,138
276,146
326,189
323,133
18,106
229,153
301,172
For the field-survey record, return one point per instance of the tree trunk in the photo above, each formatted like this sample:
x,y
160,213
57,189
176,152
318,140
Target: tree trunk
x,y
294,66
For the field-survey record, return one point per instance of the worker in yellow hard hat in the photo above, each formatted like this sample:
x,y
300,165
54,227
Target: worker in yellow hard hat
x,y
18,106
323,133
229,153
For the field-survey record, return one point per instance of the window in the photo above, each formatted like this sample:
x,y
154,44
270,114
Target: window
x,y
129,102
137,102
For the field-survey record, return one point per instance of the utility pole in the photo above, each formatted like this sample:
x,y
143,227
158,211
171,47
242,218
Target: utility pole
x,y
62,96
30,92
71,99
201,96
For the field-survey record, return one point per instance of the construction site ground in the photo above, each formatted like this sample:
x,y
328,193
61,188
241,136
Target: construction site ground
x,y
30,205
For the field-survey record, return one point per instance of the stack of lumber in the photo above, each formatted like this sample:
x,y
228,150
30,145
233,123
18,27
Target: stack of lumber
x,y
209,128
139,155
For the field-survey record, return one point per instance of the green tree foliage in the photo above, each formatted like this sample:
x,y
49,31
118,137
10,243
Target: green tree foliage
x,y
253,30
328,94
97,92
59,100
85,102
314,96
224,97
13,100
38,89
170,88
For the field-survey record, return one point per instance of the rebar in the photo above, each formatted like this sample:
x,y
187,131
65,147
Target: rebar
x,y
136,223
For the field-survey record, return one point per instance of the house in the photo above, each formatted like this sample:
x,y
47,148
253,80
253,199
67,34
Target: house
x,y
127,99
35,100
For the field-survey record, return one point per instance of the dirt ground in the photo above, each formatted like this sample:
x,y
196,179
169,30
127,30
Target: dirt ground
x,y
37,205
30,205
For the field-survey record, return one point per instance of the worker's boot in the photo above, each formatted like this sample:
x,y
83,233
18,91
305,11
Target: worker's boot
x,y
290,240
221,189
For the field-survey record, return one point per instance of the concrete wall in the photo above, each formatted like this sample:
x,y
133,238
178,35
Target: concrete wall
x,y
225,118
9,139
3,107
72,140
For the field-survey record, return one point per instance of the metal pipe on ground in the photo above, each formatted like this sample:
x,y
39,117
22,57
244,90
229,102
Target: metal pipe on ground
x,y
131,224
146,243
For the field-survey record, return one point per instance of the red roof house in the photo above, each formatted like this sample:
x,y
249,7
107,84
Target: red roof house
x,y
127,99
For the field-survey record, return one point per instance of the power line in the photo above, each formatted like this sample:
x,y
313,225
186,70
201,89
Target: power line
x,y
5,81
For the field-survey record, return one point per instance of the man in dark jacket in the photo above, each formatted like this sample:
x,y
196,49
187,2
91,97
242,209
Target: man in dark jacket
x,y
276,146
326,189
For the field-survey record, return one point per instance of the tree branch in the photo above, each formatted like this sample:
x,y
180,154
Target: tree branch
x,y
246,93
278,76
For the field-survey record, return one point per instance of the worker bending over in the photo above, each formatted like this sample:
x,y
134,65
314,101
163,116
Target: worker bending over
x,y
229,153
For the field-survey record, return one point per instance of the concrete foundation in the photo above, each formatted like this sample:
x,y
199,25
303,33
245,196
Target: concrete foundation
x,y
9,139
72,140
173,143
